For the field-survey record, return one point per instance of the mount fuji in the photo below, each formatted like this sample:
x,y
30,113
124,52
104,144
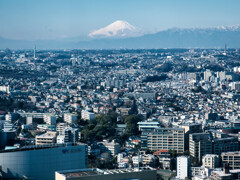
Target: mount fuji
x,y
118,29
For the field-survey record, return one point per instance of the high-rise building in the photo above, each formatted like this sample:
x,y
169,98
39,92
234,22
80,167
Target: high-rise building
x,y
166,139
68,134
225,145
70,118
190,129
145,127
86,115
183,167
236,86
199,145
49,119
207,75
60,128
112,147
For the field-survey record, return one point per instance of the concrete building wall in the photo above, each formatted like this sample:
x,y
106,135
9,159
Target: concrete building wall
x,y
183,165
41,164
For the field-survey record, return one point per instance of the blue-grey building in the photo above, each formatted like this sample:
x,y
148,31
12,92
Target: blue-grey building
x,y
41,161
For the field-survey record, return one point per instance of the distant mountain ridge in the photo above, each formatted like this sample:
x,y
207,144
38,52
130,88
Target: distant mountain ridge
x,y
214,37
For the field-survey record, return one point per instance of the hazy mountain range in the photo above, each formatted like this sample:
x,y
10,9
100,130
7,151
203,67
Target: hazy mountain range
x,y
121,34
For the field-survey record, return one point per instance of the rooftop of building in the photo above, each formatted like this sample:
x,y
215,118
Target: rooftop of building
x,y
70,114
234,170
38,147
169,128
234,153
210,155
47,135
91,172
221,173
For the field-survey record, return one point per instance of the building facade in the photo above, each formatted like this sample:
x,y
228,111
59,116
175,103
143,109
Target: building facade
x,y
166,139
85,115
199,145
41,162
49,119
46,138
183,167
232,159
70,118
210,161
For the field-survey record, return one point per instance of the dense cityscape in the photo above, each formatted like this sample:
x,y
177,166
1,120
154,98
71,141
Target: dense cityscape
x,y
146,113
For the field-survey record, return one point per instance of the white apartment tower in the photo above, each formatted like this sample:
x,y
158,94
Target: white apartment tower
x,y
70,118
183,167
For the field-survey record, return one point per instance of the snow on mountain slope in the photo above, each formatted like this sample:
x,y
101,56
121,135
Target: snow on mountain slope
x,y
117,29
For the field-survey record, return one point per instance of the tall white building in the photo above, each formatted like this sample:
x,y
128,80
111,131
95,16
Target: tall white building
x,y
86,115
210,161
207,75
49,119
112,147
70,118
5,89
68,134
183,167
61,127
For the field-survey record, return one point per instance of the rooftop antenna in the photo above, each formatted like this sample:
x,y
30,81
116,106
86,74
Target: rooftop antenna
x,y
225,49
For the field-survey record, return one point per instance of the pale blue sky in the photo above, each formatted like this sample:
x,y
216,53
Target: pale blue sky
x,y
50,19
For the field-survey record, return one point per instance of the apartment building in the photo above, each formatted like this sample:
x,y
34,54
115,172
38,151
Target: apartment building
x,y
210,161
232,159
87,115
70,118
199,145
166,139
46,138
49,119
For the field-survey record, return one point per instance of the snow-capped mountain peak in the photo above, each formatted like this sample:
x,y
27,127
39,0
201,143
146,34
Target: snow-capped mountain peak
x,y
116,29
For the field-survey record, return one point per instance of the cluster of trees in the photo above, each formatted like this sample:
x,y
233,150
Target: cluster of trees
x,y
131,125
10,104
214,67
185,68
155,78
166,67
104,163
102,126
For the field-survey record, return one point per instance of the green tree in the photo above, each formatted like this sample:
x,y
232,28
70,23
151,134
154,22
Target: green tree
x,y
103,126
131,125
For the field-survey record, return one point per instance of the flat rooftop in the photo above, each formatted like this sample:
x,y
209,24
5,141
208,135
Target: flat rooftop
x,y
38,147
47,135
91,172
